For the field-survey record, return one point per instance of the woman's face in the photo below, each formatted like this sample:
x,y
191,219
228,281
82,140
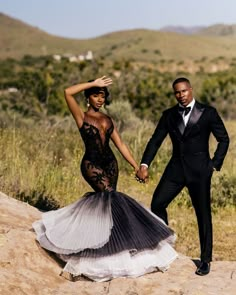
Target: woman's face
x,y
97,100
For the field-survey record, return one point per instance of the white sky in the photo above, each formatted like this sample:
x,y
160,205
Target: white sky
x,y
92,18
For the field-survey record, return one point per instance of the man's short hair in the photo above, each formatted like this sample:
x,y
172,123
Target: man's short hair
x,y
181,80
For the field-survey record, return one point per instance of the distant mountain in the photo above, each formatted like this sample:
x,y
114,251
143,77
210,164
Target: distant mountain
x,y
18,39
182,29
214,30
219,30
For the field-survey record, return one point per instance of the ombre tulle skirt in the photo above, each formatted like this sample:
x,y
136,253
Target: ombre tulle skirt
x,y
105,235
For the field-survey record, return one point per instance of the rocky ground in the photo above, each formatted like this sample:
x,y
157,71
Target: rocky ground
x,y
27,269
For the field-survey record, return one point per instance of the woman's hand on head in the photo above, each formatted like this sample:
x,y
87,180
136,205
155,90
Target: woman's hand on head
x,y
103,81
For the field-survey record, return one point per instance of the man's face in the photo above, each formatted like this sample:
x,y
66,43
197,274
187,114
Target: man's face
x,y
183,93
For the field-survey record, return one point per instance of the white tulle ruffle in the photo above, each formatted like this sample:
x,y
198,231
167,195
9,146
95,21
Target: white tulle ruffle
x,y
105,235
122,264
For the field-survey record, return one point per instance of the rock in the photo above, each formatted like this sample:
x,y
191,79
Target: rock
x,y
25,268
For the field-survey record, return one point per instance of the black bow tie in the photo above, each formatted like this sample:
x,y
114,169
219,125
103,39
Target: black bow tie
x,y
184,110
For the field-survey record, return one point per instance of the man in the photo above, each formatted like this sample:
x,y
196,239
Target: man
x,y
189,125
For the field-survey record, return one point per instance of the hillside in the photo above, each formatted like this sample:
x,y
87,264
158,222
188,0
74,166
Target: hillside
x,y
18,39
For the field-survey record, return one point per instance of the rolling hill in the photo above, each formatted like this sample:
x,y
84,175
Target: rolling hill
x,y
18,39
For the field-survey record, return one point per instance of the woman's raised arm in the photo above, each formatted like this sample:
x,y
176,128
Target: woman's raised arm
x,y
73,106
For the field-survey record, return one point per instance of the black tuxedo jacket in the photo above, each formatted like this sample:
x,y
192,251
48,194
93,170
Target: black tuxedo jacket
x,y
190,156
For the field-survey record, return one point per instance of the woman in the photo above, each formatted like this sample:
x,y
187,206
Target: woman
x,y
106,234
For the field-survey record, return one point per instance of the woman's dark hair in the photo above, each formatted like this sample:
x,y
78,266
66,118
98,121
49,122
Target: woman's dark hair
x,y
96,90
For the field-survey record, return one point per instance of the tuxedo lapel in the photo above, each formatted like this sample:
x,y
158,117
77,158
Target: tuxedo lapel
x,y
181,125
177,122
194,117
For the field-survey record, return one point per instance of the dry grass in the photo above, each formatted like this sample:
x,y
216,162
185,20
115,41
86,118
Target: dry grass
x,y
43,162
183,221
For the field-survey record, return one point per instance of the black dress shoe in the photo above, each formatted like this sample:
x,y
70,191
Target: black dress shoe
x,y
203,269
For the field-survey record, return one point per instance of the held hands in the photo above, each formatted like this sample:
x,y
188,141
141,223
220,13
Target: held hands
x,y
142,174
103,82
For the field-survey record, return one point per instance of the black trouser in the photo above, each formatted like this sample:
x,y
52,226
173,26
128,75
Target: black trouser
x,y
199,192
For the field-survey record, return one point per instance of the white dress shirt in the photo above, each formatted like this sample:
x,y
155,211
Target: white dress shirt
x,y
186,118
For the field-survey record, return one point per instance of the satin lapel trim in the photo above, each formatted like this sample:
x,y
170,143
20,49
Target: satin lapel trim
x,y
194,117
178,123
181,125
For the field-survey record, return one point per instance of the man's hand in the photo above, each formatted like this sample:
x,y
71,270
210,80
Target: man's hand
x,y
142,174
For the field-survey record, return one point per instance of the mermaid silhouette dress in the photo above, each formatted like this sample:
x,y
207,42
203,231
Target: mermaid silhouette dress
x,y
105,234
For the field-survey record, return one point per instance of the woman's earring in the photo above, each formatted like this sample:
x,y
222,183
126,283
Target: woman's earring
x,y
88,104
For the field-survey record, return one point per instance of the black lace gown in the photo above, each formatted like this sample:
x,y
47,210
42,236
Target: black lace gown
x,y
105,234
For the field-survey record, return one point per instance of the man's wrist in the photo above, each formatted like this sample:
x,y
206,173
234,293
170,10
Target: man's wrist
x,y
144,165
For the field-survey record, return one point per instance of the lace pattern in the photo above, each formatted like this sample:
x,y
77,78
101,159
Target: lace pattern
x,y
99,166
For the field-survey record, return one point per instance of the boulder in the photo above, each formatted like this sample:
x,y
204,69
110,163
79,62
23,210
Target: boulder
x,y
25,268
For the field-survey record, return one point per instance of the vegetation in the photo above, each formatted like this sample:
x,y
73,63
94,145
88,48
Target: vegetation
x,y
40,146
33,86
40,164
